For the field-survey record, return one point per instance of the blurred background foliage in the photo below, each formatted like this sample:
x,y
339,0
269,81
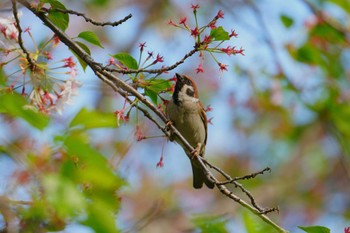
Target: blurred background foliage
x,y
285,104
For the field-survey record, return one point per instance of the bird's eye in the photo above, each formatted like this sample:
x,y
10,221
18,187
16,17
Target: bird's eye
x,y
190,92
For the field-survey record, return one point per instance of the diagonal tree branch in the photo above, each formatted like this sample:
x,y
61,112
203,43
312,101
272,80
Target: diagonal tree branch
x,y
125,89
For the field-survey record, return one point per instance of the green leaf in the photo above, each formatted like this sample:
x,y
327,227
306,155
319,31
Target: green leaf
x,y
254,225
127,60
61,20
158,85
210,224
95,171
101,217
154,86
308,53
345,4
90,37
16,105
328,33
2,78
287,21
63,195
90,119
340,116
84,47
152,95
315,229
219,34
87,50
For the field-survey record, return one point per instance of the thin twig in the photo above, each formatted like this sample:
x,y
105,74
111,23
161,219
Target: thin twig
x,y
31,62
89,20
154,71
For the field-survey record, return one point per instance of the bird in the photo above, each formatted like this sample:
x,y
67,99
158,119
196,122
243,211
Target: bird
x,y
187,115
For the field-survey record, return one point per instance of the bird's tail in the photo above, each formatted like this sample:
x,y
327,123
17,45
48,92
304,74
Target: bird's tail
x,y
199,178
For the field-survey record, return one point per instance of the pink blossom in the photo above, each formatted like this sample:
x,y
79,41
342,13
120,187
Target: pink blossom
x,y
231,50
200,69
111,61
194,7
172,23
208,108
68,90
48,55
158,59
150,54
183,21
139,134
142,46
160,163
222,66
220,14
233,34
69,62
48,97
194,32
8,28
212,24
207,39
55,41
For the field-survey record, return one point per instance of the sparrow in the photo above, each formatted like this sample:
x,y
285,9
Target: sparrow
x,y
188,116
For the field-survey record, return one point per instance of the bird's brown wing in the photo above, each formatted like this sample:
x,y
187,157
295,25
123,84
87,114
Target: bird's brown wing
x,y
205,122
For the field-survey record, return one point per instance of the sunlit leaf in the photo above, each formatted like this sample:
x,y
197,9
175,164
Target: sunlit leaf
x,y
219,34
63,195
89,119
344,4
253,224
208,224
17,106
152,95
61,20
127,60
287,21
101,217
96,170
315,229
90,37
328,33
154,86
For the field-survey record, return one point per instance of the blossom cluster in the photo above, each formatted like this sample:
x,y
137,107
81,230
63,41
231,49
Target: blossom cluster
x,y
46,93
211,42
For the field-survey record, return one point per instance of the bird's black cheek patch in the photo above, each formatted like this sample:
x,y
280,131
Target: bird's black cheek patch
x,y
189,92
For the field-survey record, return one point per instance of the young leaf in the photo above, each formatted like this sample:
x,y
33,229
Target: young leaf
x,y
90,37
219,34
15,106
81,61
90,119
287,21
61,20
127,60
158,85
315,229
152,95
154,86
210,224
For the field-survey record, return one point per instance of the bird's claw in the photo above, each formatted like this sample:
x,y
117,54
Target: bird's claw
x,y
195,151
